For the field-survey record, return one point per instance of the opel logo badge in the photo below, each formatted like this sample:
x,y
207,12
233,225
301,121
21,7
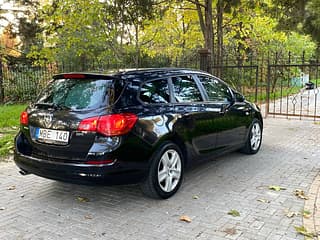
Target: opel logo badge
x,y
48,120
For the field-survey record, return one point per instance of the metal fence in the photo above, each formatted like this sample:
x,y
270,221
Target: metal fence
x,y
22,82
251,75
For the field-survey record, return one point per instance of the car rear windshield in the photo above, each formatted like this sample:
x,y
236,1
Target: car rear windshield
x,y
78,94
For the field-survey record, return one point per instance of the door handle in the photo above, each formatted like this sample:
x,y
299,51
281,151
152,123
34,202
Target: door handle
x,y
224,109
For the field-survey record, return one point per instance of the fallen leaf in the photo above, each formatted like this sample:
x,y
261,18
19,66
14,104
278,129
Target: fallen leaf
x,y
303,231
195,197
276,188
306,214
230,231
185,218
263,200
2,208
11,188
300,194
88,217
292,214
234,213
83,199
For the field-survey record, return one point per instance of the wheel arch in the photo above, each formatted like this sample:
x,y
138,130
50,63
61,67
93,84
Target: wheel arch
x,y
258,116
177,140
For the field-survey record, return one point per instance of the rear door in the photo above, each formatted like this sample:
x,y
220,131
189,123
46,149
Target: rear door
x,y
196,124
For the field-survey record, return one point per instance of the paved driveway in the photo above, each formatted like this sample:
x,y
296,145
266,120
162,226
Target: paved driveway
x,y
35,208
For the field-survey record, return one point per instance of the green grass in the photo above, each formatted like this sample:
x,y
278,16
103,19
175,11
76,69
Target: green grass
x,y
10,115
9,125
6,141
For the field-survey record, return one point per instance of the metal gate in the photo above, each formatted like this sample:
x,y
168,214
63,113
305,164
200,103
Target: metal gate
x,y
293,90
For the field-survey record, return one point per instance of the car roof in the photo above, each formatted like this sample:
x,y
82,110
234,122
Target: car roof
x,y
140,74
152,73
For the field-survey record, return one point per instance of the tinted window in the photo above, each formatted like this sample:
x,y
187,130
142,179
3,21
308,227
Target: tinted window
x,y
216,90
155,92
77,94
185,89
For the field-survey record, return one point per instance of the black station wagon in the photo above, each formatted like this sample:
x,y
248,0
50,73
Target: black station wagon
x,y
144,125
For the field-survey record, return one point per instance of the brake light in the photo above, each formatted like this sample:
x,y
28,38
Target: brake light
x,y
109,125
74,75
24,120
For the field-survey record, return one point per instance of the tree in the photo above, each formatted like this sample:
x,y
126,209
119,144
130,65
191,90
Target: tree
x,y
25,24
204,10
289,14
28,26
9,43
311,24
93,29
302,16
175,33
122,31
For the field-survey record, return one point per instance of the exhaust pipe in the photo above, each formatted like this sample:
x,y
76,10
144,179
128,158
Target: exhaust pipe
x,y
23,172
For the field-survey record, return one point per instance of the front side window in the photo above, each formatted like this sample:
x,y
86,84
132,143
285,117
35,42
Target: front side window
x,y
155,92
216,90
185,89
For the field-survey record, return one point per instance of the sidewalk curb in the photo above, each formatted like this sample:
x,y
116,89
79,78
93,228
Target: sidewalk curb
x,y
312,205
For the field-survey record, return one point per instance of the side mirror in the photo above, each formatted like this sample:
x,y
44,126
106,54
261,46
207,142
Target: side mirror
x,y
239,97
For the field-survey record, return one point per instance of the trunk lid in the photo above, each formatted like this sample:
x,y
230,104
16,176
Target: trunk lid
x,y
53,119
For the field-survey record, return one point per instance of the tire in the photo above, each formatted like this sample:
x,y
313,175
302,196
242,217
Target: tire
x,y
254,139
165,173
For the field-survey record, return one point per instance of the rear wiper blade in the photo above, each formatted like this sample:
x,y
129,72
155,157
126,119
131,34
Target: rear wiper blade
x,y
42,104
51,105
61,107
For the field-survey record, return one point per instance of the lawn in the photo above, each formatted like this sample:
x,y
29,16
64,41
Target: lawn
x,y
9,125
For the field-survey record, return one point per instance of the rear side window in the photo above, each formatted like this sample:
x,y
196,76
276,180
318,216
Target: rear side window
x,y
216,90
78,94
185,89
155,92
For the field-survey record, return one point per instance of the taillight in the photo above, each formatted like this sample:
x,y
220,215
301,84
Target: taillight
x,y
89,124
24,120
116,124
109,125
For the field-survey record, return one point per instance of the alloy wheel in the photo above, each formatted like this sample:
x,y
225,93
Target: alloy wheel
x,y
255,136
169,170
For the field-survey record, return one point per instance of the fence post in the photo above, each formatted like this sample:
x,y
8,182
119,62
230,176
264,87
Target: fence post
x,y
1,83
205,58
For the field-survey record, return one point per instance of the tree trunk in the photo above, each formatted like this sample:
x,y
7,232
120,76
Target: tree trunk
x,y
1,83
137,45
206,28
209,33
219,55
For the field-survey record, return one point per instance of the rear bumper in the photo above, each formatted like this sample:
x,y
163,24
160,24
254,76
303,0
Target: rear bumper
x,y
81,173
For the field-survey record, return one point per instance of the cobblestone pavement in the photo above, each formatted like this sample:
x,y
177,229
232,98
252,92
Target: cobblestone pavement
x,y
36,208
